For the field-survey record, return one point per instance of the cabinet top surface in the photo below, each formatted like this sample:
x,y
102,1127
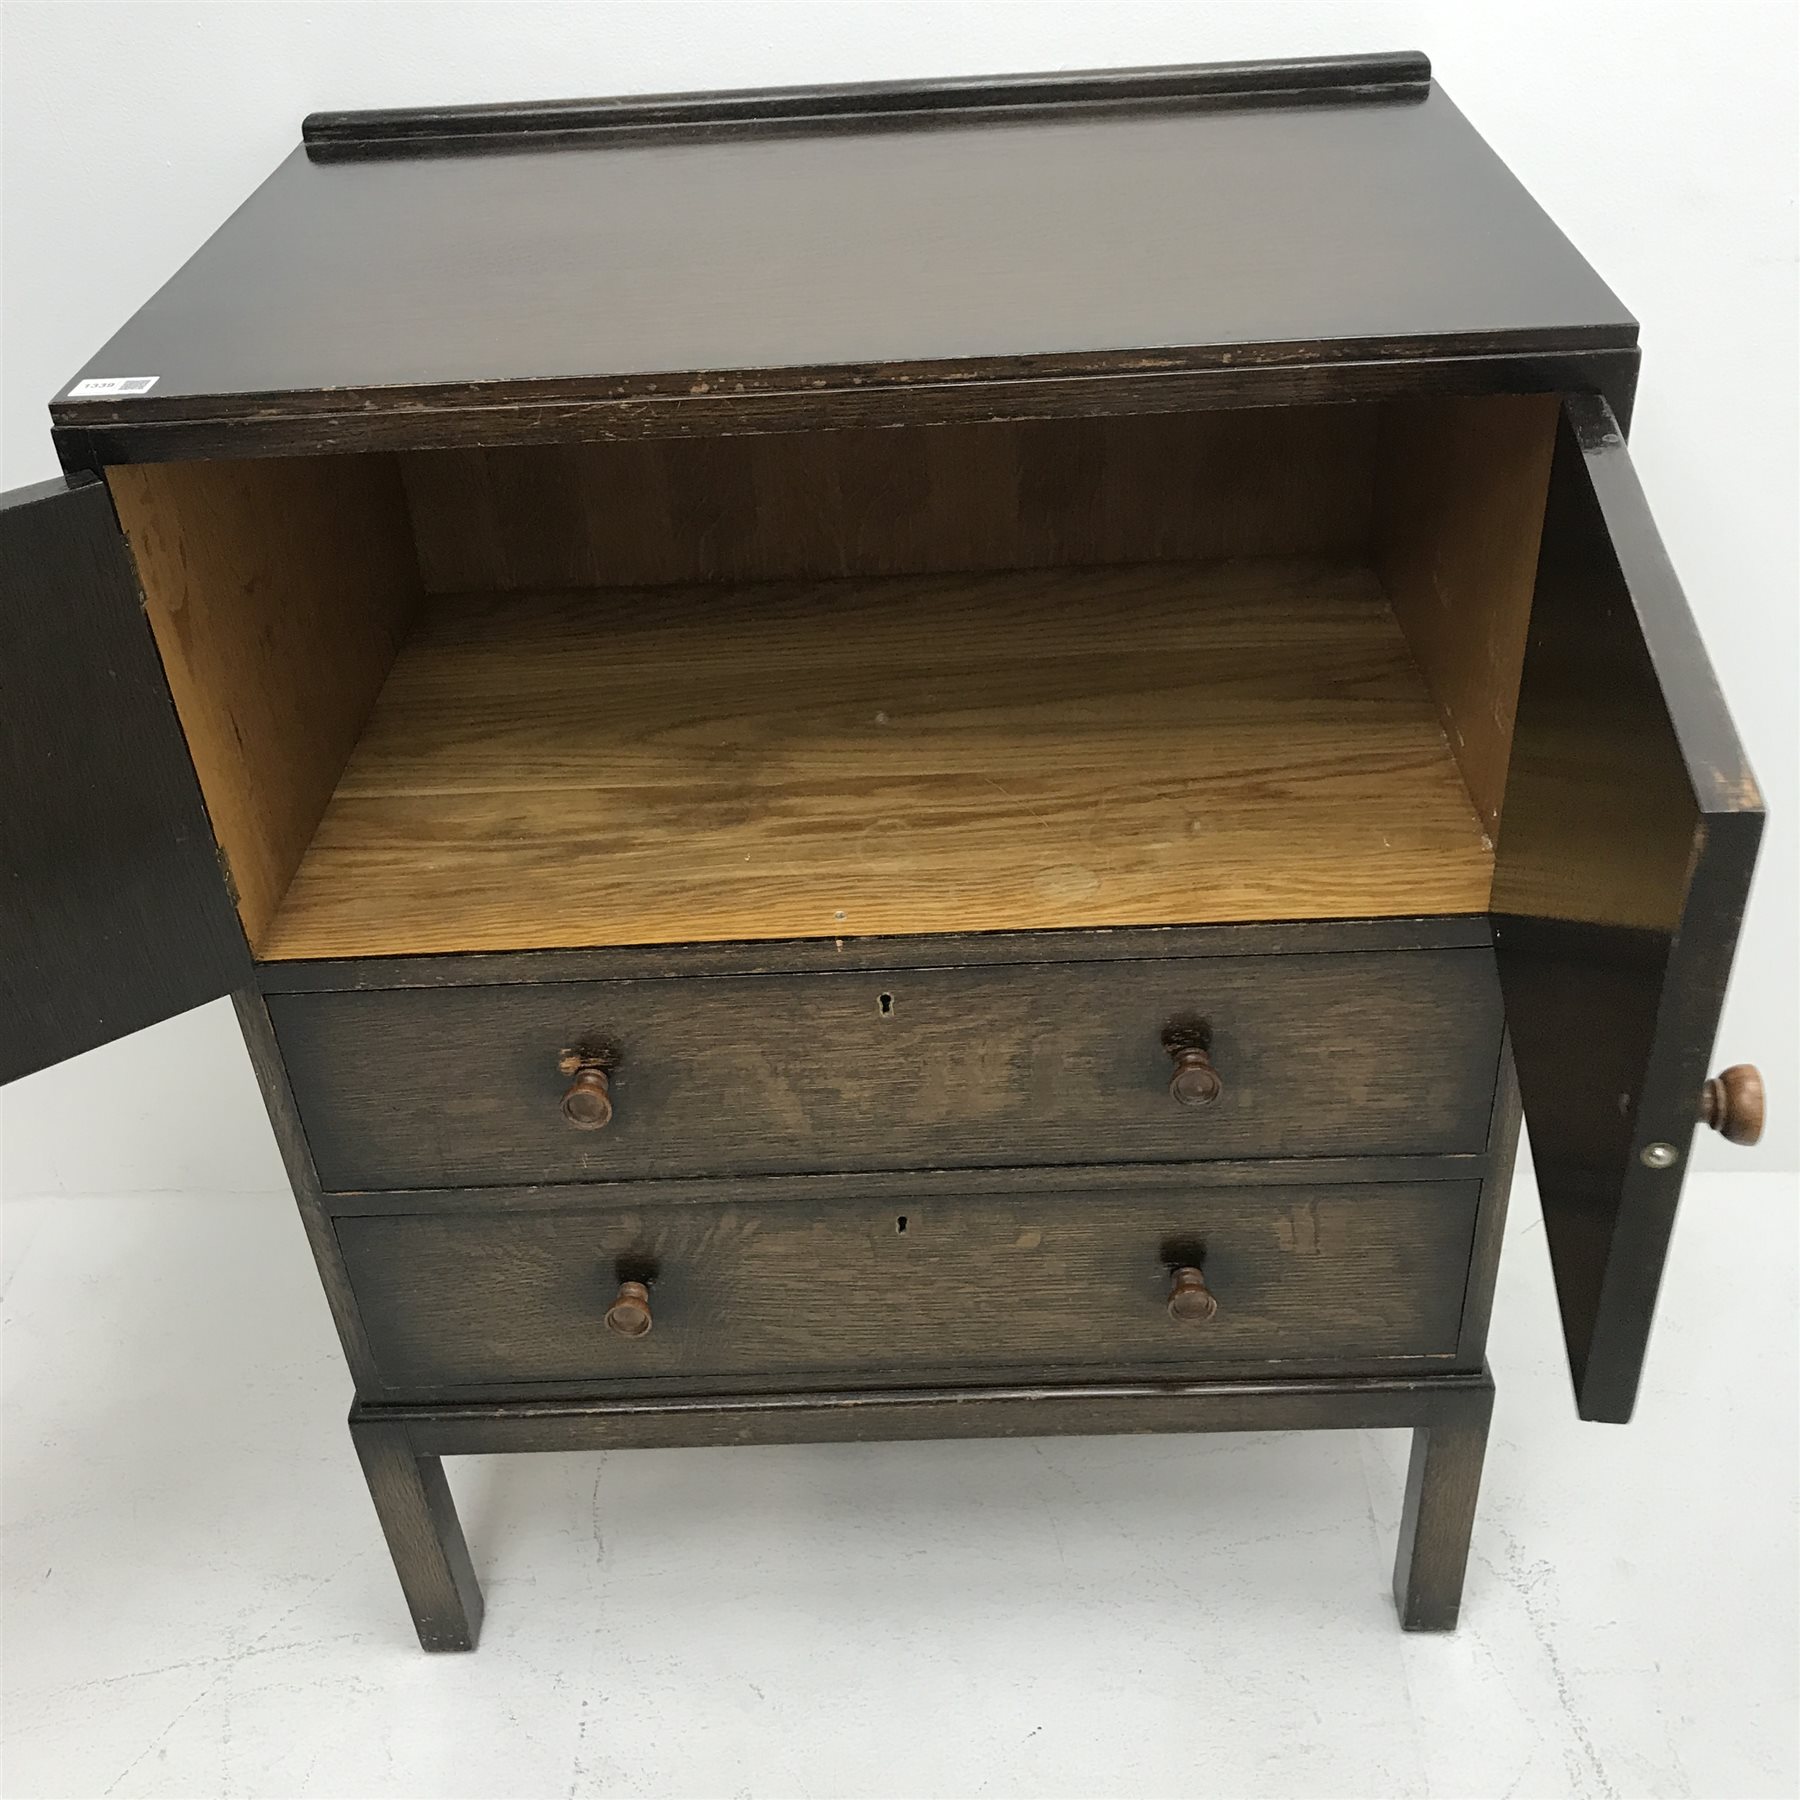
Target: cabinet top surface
x,y
1338,210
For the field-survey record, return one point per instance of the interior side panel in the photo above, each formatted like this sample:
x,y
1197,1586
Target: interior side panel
x,y
279,592
1459,508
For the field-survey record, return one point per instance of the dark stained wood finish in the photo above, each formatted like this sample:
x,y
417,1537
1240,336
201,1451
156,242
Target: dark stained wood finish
x,y
1437,1519
942,950
1627,840
116,910
427,1540
1030,1409
354,302
1158,487
418,1518
895,1187
528,413
303,1178
796,1295
1054,270
1319,1055
413,131
1490,1218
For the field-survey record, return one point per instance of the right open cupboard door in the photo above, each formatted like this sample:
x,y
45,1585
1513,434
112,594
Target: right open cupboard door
x,y
1625,848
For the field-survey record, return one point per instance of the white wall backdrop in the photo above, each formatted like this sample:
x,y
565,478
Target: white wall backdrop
x,y
1662,137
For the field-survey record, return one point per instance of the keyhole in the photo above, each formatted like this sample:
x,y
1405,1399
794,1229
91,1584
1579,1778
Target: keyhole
x,y
900,1223
887,1004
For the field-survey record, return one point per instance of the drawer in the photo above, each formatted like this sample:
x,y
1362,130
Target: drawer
x,y
891,1290
1353,1054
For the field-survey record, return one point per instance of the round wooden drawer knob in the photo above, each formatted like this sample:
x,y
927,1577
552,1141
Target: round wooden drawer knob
x,y
1191,1301
588,1103
1732,1104
629,1315
1195,1081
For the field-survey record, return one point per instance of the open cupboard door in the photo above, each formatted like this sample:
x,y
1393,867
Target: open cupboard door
x,y
114,912
1626,843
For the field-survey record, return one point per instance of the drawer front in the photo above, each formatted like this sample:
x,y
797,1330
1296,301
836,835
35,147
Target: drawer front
x,y
1354,1054
893,1291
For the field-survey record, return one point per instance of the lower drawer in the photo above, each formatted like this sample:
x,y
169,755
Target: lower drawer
x,y
891,1291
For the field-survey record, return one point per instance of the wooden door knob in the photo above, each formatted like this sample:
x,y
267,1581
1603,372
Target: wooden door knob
x,y
629,1314
1191,1301
1732,1104
1195,1081
588,1103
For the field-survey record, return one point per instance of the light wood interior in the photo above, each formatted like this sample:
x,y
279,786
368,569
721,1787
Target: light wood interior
x,y
1459,510
1238,740
1177,669
279,592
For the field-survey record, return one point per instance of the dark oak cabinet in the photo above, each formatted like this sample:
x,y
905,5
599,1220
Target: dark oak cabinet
x,y
905,761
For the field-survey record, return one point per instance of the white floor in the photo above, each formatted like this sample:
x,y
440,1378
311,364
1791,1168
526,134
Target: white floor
x,y
197,1601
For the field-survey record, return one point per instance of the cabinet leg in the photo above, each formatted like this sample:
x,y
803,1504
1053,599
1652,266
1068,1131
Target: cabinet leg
x,y
424,1536
1439,1516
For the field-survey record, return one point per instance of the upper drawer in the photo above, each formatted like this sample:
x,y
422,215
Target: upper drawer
x,y
1389,1053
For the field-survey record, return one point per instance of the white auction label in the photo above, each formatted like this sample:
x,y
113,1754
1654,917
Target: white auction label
x,y
113,384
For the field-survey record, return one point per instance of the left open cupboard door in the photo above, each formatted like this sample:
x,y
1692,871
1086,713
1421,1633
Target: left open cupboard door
x,y
114,910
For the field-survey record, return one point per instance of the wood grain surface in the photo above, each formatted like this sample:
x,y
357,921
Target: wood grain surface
x,y
1437,1517
1321,1055
279,592
418,1519
1459,509
1048,749
1091,1407
1156,487
942,950
1303,1277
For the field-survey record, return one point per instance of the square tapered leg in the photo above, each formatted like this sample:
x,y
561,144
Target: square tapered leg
x,y
424,1535
1438,1519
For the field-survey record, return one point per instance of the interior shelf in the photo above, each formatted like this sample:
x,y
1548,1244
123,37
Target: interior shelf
x,y
1043,749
